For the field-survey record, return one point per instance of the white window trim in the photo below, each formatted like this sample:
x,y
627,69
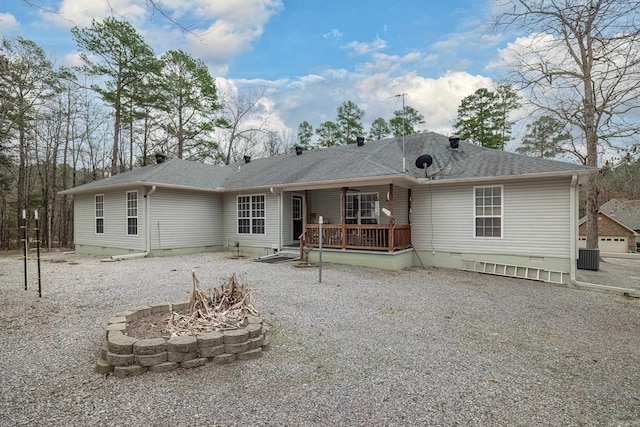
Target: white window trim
x,y
501,216
251,216
126,203
376,215
95,212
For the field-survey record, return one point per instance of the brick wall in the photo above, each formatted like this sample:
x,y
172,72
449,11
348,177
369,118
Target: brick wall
x,y
608,227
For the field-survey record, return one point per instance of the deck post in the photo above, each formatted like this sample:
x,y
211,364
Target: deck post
x,y
391,219
344,218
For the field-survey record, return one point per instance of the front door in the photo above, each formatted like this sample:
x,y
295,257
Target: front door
x,y
296,214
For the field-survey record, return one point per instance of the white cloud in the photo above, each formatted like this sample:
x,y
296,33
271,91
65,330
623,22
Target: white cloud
x,y
316,97
364,48
214,31
81,12
469,40
333,34
8,23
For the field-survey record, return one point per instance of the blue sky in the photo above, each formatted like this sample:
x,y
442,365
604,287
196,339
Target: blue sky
x,y
307,56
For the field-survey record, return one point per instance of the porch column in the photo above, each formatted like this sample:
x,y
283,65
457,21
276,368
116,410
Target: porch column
x,y
391,219
344,218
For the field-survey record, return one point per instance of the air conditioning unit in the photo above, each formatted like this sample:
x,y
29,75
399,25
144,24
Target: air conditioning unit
x,y
588,259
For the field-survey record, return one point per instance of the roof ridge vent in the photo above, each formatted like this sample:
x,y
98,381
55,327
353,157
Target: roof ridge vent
x,y
160,158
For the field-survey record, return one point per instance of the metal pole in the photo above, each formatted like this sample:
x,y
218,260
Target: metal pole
x,y
38,253
404,161
320,221
25,243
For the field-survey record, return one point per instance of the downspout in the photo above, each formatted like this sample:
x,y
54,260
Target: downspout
x,y
279,195
147,230
573,213
573,248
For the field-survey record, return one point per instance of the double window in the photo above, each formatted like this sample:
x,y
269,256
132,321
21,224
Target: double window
x,y
251,214
362,208
132,213
488,211
99,205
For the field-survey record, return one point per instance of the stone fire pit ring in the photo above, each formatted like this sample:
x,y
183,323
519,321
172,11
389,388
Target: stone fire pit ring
x,y
125,356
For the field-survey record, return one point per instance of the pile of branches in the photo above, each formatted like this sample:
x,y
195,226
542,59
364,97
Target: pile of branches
x,y
223,308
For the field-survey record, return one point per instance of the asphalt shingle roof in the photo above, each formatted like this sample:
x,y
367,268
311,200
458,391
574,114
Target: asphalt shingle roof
x,y
373,159
624,211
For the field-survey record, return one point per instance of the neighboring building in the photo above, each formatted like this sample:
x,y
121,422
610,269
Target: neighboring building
x,y
618,226
472,208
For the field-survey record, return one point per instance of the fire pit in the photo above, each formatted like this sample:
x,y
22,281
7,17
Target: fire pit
x,y
218,326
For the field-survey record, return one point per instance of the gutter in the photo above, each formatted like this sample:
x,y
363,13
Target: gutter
x,y
129,184
147,230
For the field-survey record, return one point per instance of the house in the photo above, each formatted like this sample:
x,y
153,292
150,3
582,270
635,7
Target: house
x,y
618,226
424,199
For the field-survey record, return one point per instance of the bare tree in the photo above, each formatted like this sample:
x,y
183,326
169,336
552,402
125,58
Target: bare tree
x,y
279,143
243,125
581,65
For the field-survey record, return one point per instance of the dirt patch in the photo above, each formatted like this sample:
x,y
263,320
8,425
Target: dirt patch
x,y
149,326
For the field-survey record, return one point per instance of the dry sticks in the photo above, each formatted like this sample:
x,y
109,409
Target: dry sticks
x,y
225,307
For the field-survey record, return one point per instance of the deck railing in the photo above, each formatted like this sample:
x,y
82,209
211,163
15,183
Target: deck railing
x,y
351,236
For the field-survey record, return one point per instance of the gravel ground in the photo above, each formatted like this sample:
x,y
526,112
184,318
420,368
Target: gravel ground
x,y
619,272
363,348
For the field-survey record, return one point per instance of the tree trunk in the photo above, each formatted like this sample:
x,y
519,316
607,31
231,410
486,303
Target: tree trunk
x,y
22,173
591,137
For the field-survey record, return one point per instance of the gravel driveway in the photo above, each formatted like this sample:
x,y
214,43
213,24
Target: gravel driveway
x,y
365,348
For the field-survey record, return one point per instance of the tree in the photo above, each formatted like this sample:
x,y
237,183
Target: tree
x,y
27,82
244,126
405,121
508,101
279,143
544,138
349,122
379,129
621,180
329,134
581,65
483,117
191,100
305,132
115,51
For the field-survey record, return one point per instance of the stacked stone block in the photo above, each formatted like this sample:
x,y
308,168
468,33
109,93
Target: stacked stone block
x,y
127,356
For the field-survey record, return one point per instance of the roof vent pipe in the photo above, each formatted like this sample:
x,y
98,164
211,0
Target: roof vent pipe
x,y
454,141
160,158
247,159
298,150
360,141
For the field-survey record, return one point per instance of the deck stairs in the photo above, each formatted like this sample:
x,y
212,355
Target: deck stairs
x,y
517,271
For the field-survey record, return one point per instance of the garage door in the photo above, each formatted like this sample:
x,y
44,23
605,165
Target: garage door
x,y
612,244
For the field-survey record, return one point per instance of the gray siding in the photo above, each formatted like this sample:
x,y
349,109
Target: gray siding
x,y
230,221
115,221
536,220
182,219
328,203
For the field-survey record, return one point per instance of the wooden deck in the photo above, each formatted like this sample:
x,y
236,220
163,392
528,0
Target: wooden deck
x,y
365,237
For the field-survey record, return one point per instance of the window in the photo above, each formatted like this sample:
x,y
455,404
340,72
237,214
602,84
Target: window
x,y
488,211
362,208
251,214
132,213
99,213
